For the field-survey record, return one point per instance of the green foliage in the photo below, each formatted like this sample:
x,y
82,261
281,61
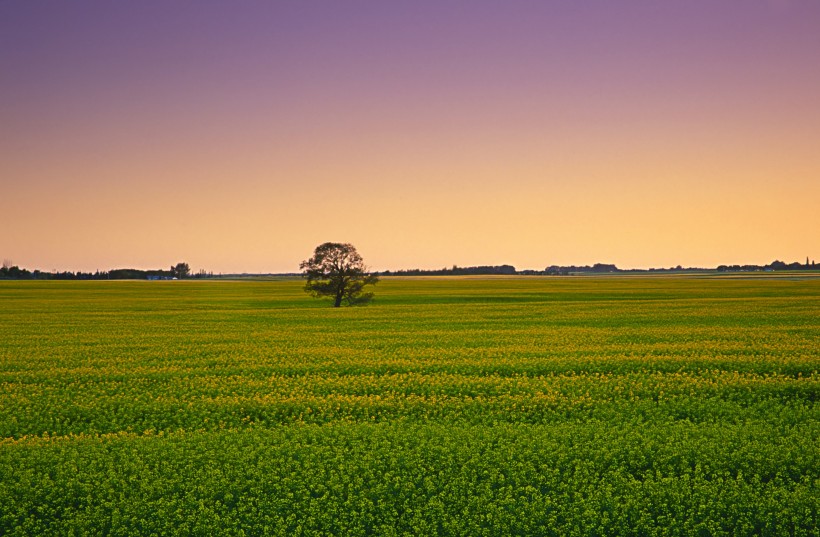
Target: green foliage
x,y
337,271
600,406
180,270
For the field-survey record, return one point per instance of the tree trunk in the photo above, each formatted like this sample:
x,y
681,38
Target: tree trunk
x,y
340,292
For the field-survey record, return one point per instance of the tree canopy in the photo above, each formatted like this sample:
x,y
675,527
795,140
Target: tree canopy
x,y
180,270
336,270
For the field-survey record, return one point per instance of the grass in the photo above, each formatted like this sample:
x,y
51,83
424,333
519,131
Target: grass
x,y
682,405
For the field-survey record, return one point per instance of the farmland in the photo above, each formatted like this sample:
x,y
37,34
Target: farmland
x,y
449,406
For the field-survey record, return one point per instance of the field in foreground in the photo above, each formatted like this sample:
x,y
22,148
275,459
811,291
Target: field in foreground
x,y
521,406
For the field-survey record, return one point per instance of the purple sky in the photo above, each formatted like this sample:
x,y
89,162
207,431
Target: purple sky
x,y
238,136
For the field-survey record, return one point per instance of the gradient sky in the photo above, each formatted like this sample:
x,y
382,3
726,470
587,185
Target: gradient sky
x,y
237,136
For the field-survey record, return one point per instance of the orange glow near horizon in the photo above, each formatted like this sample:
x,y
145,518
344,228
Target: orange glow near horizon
x,y
650,137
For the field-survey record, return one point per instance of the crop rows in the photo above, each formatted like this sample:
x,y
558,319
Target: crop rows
x,y
543,406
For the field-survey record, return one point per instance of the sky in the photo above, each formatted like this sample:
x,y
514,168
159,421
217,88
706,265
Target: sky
x,y
238,136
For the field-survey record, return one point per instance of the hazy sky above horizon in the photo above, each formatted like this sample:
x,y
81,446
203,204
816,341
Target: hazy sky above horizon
x,y
238,136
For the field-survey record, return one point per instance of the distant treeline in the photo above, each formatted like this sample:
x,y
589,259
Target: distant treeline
x,y
598,268
181,270
774,265
503,270
8,272
454,271
17,273
605,268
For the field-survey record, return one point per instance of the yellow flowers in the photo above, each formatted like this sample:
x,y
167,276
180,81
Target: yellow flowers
x,y
549,400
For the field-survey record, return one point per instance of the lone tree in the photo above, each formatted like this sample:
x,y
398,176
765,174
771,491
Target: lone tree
x,y
337,270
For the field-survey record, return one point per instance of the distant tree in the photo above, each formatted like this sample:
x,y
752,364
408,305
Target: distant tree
x,y
180,270
337,270
13,272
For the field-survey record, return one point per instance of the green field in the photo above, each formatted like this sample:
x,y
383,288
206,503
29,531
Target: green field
x,y
462,406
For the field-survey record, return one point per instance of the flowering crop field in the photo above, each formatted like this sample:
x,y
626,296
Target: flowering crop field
x,y
450,406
